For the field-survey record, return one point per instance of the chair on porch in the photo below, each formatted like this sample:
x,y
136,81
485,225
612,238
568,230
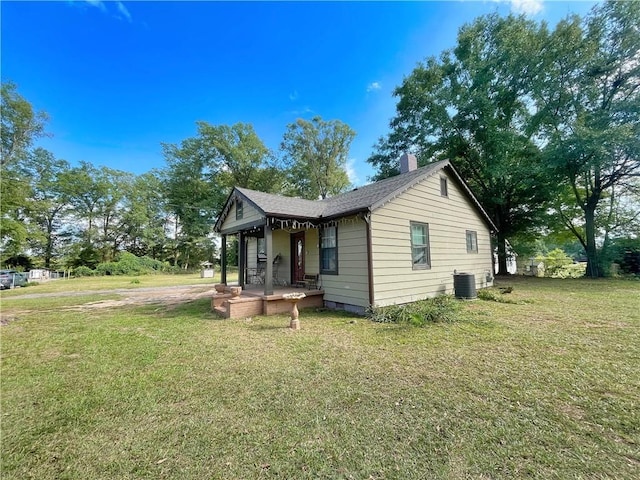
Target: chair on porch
x,y
276,264
310,282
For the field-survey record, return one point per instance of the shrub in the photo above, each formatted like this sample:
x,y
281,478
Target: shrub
x,y
575,270
107,268
557,264
129,264
626,253
439,309
83,271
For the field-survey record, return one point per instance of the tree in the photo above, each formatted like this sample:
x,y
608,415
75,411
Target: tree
x,y
201,172
316,152
48,202
97,198
590,106
238,157
20,125
473,105
85,190
144,216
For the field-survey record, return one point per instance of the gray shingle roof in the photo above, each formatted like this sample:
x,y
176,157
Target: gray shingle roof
x,y
280,205
375,194
368,197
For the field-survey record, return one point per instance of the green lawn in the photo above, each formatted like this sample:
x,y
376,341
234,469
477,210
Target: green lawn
x,y
545,387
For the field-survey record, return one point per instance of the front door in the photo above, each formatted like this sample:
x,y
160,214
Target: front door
x,y
297,254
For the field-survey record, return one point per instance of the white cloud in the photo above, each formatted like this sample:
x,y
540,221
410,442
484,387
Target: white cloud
x,y
373,86
293,96
303,111
97,4
123,10
528,7
351,171
103,6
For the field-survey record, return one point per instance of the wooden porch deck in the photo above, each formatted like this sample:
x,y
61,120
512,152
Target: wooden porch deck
x,y
252,301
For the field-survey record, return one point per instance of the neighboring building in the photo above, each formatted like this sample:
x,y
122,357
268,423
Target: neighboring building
x,y
394,241
39,274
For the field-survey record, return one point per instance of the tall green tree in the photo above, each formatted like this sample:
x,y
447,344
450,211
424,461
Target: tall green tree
x,y
238,157
144,216
48,203
473,105
97,197
85,190
200,173
21,126
316,153
590,106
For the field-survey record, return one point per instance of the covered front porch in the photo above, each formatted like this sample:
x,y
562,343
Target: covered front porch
x,y
278,253
274,254
253,301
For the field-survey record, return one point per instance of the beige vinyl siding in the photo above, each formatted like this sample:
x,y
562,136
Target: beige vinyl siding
x,y
249,215
312,254
282,246
252,252
395,280
351,285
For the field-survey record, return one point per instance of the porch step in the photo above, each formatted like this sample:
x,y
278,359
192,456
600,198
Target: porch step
x,y
221,310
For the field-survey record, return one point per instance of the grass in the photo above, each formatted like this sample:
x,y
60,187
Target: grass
x,y
545,387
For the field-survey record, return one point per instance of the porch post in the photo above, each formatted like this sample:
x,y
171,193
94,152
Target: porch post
x,y
223,261
268,269
241,258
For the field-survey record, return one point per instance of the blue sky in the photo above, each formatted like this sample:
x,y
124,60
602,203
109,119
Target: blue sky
x,y
118,78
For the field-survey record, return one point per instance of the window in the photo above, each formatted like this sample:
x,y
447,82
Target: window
x,y
472,242
262,250
329,250
420,256
239,209
444,191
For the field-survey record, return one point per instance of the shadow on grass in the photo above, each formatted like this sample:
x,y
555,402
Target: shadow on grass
x,y
258,327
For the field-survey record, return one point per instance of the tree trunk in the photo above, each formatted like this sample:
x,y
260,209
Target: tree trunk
x,y
593,267
502,254
48,250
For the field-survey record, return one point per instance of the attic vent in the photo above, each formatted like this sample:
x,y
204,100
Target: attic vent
x,y
408,163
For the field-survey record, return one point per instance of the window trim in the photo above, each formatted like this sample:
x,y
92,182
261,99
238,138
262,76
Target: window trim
x,y
473,235
444,186
239,209
427,246
321,249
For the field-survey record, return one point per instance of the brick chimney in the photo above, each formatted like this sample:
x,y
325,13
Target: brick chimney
x,y
408,162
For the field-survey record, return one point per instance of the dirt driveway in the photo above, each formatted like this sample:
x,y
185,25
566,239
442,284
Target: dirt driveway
x,y
169,296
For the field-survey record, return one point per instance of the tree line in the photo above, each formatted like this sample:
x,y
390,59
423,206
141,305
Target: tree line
x,y
56,215
543,124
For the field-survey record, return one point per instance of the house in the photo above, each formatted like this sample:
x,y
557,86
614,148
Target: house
x,y
394,241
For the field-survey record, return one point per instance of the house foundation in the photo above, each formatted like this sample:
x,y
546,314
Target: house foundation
x,y
253,302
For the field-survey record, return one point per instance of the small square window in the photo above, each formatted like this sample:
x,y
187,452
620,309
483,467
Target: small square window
x,y
472,241
444,188
239,209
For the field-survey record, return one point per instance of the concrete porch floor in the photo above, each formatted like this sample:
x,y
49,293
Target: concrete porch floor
x,y
253,301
